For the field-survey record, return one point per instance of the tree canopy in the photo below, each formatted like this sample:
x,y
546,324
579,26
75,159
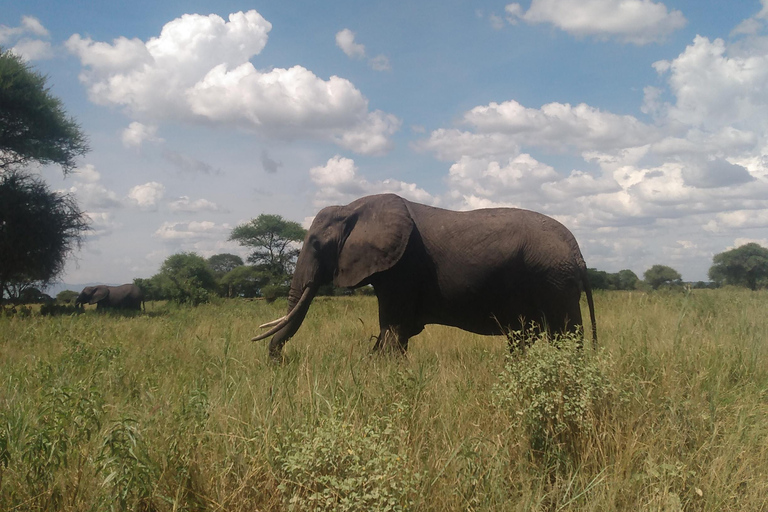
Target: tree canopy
x,y
220,264
275,242
662,275
743,266
621,280
38,231
185,278
33,123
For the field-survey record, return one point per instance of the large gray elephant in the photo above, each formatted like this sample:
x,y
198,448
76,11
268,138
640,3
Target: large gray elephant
x,y
488,271
125,296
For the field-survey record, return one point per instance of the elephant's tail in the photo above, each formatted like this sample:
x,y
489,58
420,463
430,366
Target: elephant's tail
x,y
591,304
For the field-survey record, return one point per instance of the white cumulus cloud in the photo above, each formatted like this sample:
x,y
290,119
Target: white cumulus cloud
x,y
137,134
338,182
185,204
25,41
633,21
198,70
148,195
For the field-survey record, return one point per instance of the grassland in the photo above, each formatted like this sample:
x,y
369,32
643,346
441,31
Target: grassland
x,y
174,409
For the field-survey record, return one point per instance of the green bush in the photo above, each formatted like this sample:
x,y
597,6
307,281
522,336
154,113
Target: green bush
x,y
554,392
339,466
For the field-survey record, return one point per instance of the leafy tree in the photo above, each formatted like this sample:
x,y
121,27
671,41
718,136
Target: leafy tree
x,y
626,280
38,230
599,279
244,281
220,264
66,297
33,123
744,266
275,242
662,275
186,278
151,288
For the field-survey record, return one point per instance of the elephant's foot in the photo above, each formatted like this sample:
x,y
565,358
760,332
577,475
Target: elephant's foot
x,y
391,342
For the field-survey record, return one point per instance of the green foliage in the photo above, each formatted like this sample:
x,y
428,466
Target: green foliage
x,y
272,292
274,241
220,264
40,228
243,281
33,124
555,393
66,297
744,266
185,278
337,465
127,471
662,276
621,280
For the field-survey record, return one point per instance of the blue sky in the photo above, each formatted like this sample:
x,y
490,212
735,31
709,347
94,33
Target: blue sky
x,y
639,124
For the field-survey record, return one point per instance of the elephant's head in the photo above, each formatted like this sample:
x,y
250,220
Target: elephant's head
x,y
346,245
92,295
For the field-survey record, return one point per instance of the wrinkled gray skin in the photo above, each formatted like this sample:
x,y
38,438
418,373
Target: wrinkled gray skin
x,y
125,296
485,271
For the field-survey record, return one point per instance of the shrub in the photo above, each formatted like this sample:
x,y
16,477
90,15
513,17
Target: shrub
x,y
339,466
553,392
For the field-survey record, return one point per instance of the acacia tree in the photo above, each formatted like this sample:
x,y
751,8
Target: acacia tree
x,y
744,266
662,275
39,228
33,124
274,240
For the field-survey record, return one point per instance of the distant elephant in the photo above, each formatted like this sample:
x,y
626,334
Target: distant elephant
x,y
125,296
489,271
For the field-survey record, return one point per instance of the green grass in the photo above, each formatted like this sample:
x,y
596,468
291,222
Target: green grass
x,y
175,409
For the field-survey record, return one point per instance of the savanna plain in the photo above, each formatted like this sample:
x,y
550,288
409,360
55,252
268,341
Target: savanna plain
x,y
175,409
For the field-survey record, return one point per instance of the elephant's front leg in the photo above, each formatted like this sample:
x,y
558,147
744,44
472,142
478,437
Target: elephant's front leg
x,y
398,322
391,339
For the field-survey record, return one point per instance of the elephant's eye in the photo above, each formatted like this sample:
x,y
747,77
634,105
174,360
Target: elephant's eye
x,y
316,244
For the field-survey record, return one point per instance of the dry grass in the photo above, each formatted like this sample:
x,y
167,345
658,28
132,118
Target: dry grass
x,y
175,410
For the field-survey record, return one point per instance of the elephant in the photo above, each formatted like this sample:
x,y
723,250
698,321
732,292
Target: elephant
x,y
125,296
489,271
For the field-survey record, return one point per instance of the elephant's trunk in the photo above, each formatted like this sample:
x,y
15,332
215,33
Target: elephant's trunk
x,y
297,311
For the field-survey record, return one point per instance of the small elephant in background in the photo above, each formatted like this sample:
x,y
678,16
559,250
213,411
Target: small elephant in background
x,y
125,296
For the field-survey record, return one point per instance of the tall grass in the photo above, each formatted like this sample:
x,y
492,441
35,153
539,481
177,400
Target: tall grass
x,y
174,409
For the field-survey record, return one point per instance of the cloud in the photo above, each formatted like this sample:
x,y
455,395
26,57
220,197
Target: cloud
x,y
87,173
345,39
198,70
148,195
185,204
631,21
33,49
270,166
101,224
94,196
29,48
137,134
501,128
188,164
338,183
716,85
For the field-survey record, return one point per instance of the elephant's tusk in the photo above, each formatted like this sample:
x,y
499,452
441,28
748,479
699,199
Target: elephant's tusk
x,y
287,318
273,322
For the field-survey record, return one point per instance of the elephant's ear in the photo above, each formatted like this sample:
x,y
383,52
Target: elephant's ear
x,y
378,228
100,294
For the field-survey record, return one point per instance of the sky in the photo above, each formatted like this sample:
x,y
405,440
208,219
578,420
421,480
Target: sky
x,y
641,125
